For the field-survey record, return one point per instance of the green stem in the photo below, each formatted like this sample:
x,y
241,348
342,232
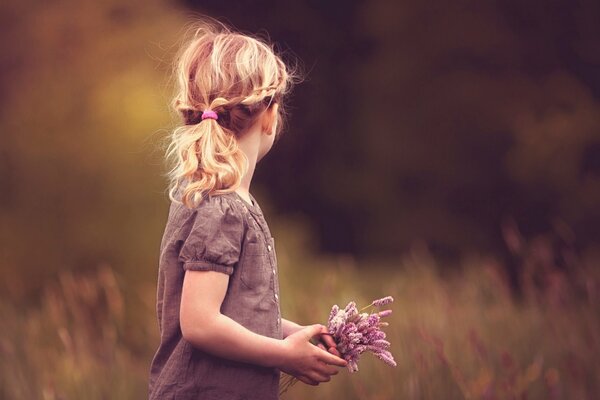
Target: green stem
x,y
364,308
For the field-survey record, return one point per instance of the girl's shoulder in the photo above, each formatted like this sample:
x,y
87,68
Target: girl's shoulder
x,y
213,209
225,202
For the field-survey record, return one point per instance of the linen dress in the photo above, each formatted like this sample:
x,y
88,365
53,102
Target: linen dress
x,y
224,233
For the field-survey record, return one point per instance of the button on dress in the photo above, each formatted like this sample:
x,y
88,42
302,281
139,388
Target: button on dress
x,y
224,233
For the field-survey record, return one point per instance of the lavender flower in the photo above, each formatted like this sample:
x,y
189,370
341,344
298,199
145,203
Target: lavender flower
x,y
355,332
384,313
382,302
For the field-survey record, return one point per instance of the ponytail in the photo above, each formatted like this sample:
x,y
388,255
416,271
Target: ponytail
x,y
208,161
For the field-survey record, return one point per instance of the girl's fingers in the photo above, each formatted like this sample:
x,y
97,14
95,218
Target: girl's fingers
x,y
328,340
328,358
307,380
329,343
319,377
320,345
327,370
334,351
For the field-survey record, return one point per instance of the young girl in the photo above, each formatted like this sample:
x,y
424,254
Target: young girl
x,y
221,332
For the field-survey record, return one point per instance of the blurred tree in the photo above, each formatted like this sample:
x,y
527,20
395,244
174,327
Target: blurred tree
x,y
434,121
82,103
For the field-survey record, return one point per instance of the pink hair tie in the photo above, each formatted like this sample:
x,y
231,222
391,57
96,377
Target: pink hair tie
x,y
209,114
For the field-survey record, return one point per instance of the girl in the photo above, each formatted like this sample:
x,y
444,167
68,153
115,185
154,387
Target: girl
x,y
221,332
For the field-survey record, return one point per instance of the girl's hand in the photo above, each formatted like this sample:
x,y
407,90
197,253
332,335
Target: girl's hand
x,y
307,362
324,341
327,343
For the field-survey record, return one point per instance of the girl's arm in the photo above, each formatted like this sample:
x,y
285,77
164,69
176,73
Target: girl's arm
x,y
203,325
288,327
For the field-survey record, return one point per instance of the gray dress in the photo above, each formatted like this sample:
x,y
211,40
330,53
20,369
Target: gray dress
x,y
224,233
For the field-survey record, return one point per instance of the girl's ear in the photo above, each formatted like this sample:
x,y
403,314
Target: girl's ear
x,y
269,119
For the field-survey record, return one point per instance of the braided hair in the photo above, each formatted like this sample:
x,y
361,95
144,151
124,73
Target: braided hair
x,y
237,76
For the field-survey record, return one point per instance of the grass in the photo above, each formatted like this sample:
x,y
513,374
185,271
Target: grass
x,y
459,335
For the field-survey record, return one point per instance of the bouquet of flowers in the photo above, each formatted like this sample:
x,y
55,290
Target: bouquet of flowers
x,y
356,331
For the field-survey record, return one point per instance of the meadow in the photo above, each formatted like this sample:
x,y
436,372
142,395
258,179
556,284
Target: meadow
x,y
436,126
456,334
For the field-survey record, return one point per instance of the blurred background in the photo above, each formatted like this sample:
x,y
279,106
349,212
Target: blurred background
x,y
445,154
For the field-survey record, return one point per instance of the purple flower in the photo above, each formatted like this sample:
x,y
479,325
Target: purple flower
x,y
383,301
334,311
351,308
355,332
385,313
386,357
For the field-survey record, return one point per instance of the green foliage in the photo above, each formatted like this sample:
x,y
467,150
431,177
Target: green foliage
x,y
84,112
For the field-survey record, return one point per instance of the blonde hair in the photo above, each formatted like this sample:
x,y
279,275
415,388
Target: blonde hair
x,y
236,75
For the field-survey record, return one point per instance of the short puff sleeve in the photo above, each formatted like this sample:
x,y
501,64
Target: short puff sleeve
x,y
215,239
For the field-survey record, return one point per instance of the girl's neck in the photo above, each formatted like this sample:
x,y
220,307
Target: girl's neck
x,y
255,144
250,151
244,188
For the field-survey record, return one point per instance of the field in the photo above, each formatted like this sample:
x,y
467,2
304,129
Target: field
x,y
462,334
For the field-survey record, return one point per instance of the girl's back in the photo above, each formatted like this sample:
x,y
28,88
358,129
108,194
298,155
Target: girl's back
x,y
223,231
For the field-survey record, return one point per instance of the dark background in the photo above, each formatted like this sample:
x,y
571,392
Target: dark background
x,y
417,122
435,121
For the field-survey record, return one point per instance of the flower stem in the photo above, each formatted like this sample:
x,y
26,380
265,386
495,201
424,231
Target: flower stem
x,y
288,382
365,308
